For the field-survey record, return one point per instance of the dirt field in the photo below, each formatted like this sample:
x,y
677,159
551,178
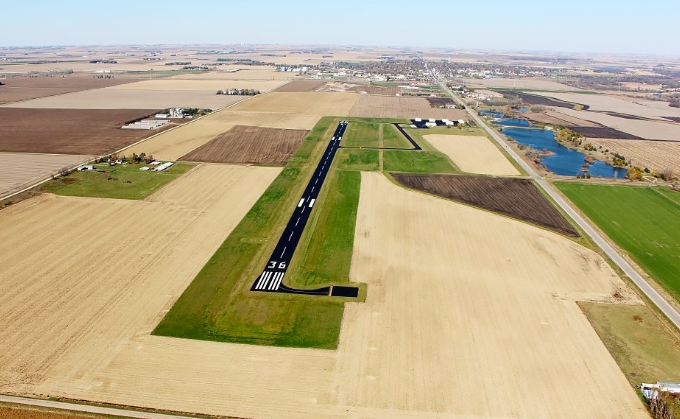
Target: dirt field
x,y
18,170
517,198
250,145
473,154
229,72
555,118
200,85
23,88
309,103
650,130
178,142
437,102
301,86
116,98
69,131
655,155
370,106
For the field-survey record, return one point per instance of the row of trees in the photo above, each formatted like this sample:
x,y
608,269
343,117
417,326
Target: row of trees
x,y
238,92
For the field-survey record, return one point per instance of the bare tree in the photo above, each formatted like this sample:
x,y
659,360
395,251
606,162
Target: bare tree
x,y
667,174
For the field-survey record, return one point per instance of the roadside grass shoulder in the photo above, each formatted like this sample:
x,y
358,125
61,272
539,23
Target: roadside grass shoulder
x,y
644,221
218,304
121,181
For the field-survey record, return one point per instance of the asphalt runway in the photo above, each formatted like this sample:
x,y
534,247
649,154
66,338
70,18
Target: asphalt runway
x,y
271,278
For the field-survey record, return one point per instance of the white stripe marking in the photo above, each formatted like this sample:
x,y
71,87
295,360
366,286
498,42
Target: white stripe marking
x,y
317,179
284,251
274,281
298,220
301,202
279,281
311,204
266,280
259,281
313,188
291,235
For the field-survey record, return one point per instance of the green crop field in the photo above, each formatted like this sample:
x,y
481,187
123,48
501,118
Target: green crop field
x,y
120,181
644,221
218,305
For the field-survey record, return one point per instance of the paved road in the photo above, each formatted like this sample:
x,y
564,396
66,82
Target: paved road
x,y
649,291
272,276
89,409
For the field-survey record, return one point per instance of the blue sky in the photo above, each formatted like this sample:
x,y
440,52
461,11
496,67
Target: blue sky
x,y
649,27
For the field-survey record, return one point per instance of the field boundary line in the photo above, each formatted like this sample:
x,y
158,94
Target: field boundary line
x,y
100,410
666,308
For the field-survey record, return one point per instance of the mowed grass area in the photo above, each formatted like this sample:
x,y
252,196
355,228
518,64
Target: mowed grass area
x,y
121,181
417,162
362,134
644,221
392,138
358,159
324,254
645,349
218,305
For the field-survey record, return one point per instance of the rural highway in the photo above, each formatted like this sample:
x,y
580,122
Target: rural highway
x,y
271,278
613,254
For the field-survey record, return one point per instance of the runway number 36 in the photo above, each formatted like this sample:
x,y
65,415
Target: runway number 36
x,y
272,265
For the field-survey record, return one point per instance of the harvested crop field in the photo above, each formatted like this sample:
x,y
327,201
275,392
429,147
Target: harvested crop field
x,y
648,130
518,198
178,142
307,103
533,99
115,98
370,106
523,83
301,86
655,155
69,131
250,145
415,341
211,86
20,170
555,118
615,104
473,154
66,311
24,88
602,132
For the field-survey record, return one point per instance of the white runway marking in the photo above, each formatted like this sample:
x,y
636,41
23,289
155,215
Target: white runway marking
x,y
301,202
284,251
291,235
298,221
311,204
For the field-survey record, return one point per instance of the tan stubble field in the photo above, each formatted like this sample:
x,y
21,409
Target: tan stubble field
x,y
473,154
468,314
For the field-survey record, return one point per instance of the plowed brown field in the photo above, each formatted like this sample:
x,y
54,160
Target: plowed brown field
x,y
252,145
69,131
307,103
370,106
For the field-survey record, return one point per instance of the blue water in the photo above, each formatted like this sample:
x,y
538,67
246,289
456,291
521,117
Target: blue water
x,y
492,114
565,161
512,122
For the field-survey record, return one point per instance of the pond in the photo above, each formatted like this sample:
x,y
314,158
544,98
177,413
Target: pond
x,y
565,161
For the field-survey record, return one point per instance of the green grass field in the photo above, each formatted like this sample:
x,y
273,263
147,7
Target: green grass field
x,y
644,221
645,349
362,134
120,181
417,162
391,137
358,159
218,305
